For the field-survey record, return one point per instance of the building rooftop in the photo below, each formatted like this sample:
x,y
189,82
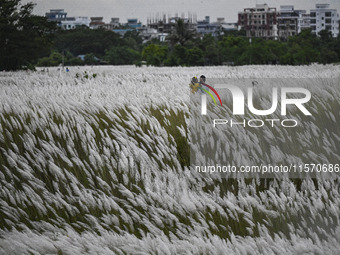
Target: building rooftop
x,y
322,6
260,8
57,10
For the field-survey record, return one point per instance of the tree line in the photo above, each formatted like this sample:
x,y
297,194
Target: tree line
x,y
185,48
27,40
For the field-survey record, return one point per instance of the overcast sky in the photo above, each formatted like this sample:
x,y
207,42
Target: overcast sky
x,y
124,9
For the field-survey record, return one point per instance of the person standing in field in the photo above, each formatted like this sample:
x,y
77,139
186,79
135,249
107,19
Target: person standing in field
x,y
202,82
194,85
202,79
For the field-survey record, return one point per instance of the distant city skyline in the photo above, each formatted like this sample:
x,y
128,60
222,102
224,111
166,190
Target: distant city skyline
x,y
125,9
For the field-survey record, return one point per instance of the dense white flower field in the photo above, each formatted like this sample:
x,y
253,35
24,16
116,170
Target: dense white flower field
x,y
95,161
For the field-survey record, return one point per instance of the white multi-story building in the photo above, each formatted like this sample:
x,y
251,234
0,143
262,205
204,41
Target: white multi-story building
x,y
74,22
56,15
205,27
115,22
228,26
97,22
303,21
324,18
147,33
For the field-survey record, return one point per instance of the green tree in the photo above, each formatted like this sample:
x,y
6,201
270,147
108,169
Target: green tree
x,y
177,56
194,57
23,37
132,40
83,41
303,49
54,59
90,59
182,33
122,56
300,55
328,45
231,49
74,62
325,37
209,46
274,50
336,46
328,56
262,52
155,54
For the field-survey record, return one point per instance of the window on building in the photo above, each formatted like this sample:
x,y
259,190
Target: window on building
x,y
328,14
313,14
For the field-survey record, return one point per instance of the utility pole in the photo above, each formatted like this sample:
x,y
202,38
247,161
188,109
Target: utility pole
x,y
250,51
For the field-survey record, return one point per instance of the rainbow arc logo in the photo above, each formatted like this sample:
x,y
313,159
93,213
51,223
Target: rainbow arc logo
x,y
208,92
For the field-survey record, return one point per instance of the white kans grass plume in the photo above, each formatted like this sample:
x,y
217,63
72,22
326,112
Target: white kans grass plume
x,y
99,165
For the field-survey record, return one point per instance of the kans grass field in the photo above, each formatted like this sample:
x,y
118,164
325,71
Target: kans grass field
x,y
96,161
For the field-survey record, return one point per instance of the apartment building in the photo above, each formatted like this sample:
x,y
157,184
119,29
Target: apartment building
x,y
324,18
260,21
